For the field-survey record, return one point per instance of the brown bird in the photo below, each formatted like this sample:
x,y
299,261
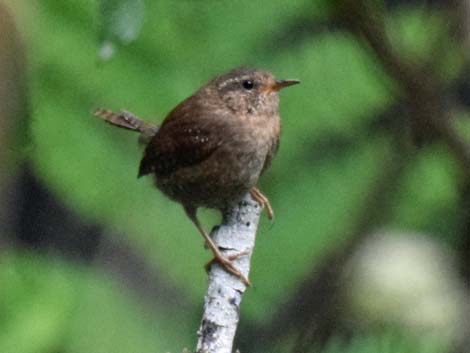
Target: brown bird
x,y
212,148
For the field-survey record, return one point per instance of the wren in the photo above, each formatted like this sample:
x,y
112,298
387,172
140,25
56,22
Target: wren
x,y
212,148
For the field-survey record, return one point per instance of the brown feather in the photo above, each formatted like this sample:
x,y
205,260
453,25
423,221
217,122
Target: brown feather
x,y
127,120
180,142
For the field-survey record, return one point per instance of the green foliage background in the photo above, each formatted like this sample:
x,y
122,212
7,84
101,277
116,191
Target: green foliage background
x,y
51,305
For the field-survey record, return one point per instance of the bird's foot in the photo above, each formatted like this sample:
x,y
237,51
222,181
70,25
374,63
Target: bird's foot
x,y
259,197
229,266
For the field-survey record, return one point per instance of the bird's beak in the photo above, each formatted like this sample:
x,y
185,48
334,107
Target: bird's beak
x,y
283,83
279,84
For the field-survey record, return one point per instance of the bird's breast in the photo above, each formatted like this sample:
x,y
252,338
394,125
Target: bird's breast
x,y
231,170
249,145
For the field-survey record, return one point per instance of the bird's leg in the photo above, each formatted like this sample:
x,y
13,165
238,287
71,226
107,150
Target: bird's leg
x,y
262,200
224,261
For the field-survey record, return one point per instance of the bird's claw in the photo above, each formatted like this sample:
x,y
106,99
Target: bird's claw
x,y
229,266
259,197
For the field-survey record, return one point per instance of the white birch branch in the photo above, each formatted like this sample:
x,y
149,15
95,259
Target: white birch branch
x,y
222,302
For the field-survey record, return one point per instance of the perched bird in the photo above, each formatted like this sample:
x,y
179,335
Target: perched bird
x,y
212,148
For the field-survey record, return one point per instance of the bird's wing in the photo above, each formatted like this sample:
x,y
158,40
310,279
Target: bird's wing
x,y
270,155
187,137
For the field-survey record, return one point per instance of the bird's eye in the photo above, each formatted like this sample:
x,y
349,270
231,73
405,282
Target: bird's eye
x,y
248,84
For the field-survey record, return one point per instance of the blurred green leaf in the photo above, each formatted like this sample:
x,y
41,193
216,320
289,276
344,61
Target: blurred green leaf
x,y
47,305
36,301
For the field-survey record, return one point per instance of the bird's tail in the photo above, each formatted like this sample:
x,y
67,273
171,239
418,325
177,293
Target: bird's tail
x,y
127,120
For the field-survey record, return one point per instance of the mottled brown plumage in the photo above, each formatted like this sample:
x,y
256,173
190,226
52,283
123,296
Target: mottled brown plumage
x,y
213,147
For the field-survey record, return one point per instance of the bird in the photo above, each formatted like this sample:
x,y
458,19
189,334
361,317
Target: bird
x,y
212,148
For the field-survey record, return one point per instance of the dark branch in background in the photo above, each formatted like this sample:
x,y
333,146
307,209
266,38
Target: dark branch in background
x,y
428,3
463,15
429,116
464,248
462,88
12,119
45,225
